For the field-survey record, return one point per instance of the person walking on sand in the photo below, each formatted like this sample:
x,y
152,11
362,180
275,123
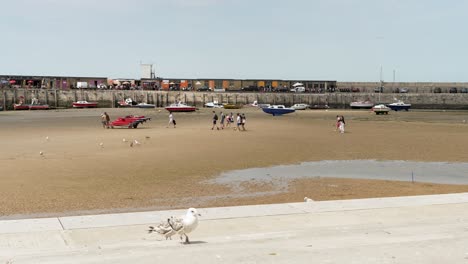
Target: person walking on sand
x,y
171,120
342,125
238,121
215,121
243,121
337,125
223,118
105,119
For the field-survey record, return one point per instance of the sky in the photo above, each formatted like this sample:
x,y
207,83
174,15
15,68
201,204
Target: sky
x,y
343,40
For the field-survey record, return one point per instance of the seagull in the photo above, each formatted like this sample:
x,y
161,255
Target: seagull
x,y
136,142
41,153
101,144
47,138
186,224
164,229
147,137
124,140
308,200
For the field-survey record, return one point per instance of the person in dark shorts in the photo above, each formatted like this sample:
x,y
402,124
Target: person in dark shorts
x,y
215,121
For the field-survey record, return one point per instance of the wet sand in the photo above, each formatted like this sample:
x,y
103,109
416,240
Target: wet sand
x,y
170,168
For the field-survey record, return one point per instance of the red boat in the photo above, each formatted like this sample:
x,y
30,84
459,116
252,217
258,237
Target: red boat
x,y
30,107
84,104
180,107
129,121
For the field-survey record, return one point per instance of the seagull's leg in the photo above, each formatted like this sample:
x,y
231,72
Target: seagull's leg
x,y
186,239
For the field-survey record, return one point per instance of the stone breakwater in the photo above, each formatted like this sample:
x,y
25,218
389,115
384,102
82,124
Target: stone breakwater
x,y
109,98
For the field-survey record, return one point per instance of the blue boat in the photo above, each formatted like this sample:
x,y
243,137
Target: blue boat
x,y
277,110
399,105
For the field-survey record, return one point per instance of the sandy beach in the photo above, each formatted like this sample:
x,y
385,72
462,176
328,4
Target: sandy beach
x,y
171,166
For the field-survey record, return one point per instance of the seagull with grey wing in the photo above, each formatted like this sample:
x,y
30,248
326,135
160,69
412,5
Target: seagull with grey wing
x,y
164,229
186,224
181,226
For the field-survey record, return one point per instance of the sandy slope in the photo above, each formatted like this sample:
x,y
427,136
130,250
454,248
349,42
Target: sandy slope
x,y
168,169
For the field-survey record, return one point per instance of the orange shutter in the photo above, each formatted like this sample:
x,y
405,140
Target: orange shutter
x,y
225,84
211,84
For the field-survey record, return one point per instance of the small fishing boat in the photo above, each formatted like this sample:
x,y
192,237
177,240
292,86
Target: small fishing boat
x,y
214,104
31,107
84,104
180,107
126,103
399,105
277,110
232,106
145,105
362,105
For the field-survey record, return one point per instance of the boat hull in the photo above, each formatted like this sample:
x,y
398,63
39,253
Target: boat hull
x,y
399,107
180,109
30,107
232,106
84,105
359,105
278,111
145,106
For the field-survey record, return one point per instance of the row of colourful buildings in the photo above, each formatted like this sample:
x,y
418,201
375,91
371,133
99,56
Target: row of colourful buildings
x,y
69,82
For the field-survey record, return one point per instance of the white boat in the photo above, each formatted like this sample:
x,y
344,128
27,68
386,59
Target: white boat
x,y
214,104
300,106
399,105
256,104
145,105
362,104
380,109
277,110
180,107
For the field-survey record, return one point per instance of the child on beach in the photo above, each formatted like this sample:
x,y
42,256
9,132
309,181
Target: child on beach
x,y
171,120
105,119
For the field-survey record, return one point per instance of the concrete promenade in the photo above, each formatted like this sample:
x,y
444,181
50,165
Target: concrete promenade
x,y
418,229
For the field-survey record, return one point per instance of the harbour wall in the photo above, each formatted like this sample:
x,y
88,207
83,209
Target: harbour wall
x,y
109,98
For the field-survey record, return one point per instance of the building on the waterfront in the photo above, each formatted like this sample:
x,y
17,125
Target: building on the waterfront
x,y
50,82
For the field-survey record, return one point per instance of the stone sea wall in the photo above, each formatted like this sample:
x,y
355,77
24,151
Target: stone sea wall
x,y
109,98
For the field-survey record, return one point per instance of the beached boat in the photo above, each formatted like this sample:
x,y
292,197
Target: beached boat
x,y
180,107
361,105
232,106
84,104
256,104
380,109
214,104
126,103
31,107
145,105
300,106
277,110
399,105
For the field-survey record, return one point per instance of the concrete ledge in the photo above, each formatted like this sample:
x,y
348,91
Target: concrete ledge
x,y
142,218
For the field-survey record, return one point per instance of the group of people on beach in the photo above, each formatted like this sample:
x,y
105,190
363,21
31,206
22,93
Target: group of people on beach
x,y
225,121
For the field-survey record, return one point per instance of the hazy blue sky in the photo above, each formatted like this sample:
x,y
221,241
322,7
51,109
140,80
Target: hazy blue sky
x,y
344,40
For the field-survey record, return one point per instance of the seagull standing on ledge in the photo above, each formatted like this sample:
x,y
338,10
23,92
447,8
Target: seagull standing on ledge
x,y
181,226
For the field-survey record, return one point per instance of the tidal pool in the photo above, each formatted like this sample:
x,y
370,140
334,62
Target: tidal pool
x,y
430,172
